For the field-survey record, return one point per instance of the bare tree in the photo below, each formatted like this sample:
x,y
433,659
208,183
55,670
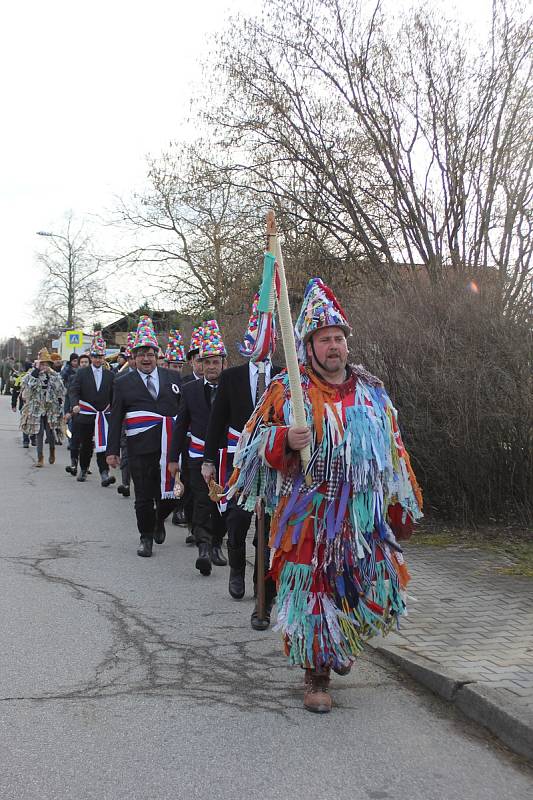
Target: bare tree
x,y
73,285
197,235
403,142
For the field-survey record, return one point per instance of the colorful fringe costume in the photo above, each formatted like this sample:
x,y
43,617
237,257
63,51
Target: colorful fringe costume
x,y
335,556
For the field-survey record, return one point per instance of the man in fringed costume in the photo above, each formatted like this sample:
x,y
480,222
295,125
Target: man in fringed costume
x,y
335,552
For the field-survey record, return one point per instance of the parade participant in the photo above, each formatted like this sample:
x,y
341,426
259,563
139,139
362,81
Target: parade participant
x,y
17,401
208,526
91,393
128,366
175,352
73,421
238,392
122,361
43,392
147,399
184,510
339,569
193,356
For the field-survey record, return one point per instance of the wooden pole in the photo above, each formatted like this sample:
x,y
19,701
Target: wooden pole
x,y
289,344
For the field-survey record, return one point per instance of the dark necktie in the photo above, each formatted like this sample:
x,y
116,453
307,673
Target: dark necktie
x,y
261,383
211,392
150,385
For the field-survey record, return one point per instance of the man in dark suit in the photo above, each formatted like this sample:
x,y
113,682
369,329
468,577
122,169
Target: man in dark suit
x,y
91,394
148,399
239,390
208,525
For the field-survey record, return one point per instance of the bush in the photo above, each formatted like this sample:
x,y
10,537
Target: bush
x,y
459,372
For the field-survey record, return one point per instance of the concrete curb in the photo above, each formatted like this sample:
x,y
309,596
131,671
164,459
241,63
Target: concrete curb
x,y
489,707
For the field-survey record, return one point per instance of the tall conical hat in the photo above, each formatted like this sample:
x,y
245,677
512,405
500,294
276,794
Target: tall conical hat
x,y
211,343
175,349
196,340
97,344
259,341
145,335
250,335
129,344
320,309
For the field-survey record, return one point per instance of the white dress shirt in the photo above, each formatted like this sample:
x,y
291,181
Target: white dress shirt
x,y
253,370
154,376
97,372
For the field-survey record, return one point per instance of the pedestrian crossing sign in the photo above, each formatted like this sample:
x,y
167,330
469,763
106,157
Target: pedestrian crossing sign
x,y
73,341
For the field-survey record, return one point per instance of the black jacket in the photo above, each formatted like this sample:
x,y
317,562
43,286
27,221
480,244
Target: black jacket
x,y
131,394
232,408
193,418
83,387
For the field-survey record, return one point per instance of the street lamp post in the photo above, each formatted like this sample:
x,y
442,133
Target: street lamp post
x,y
71,270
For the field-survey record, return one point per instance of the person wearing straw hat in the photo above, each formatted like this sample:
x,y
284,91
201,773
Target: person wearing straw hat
x,y
335,538
238,391
146,401
43,393
91,394
208,527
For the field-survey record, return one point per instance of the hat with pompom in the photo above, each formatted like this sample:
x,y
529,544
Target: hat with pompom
x,y
145,335
211,343
196,340
175,350
129,344
320,309
97,344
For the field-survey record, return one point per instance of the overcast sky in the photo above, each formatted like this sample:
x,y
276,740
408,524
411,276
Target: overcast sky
x,y
87,90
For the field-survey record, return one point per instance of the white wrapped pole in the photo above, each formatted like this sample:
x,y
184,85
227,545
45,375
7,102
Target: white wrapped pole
x,y
289,344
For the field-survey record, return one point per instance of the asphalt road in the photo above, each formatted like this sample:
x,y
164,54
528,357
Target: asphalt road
x,y
133,678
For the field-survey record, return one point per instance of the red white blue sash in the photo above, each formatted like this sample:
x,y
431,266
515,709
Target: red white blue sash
x,y
140,422
100,424
223,477
196,447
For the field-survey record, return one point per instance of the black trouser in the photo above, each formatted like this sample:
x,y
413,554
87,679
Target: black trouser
x,y
187,500
44,428
208,525
238,522
124,462
74,445
86,435
146,476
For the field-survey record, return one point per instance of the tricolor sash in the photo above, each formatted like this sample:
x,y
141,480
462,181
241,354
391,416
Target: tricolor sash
x,y
100,424
223,476
196,447
142,421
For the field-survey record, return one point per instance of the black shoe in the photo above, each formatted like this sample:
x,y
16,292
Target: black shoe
x,y
190,538
25,444
178,517
236,583
107,479
259,624
82,477
145,548
123,490
160,533
203,562
73,469
217,556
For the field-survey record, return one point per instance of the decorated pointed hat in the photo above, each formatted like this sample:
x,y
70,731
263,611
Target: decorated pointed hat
x,y
259,341
145,335
196,340
250,335
97,344
320,309
129,344
175,349
211,343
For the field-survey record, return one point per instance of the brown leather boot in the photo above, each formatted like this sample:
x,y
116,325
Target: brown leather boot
x,y
52,457
316,696
40,462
